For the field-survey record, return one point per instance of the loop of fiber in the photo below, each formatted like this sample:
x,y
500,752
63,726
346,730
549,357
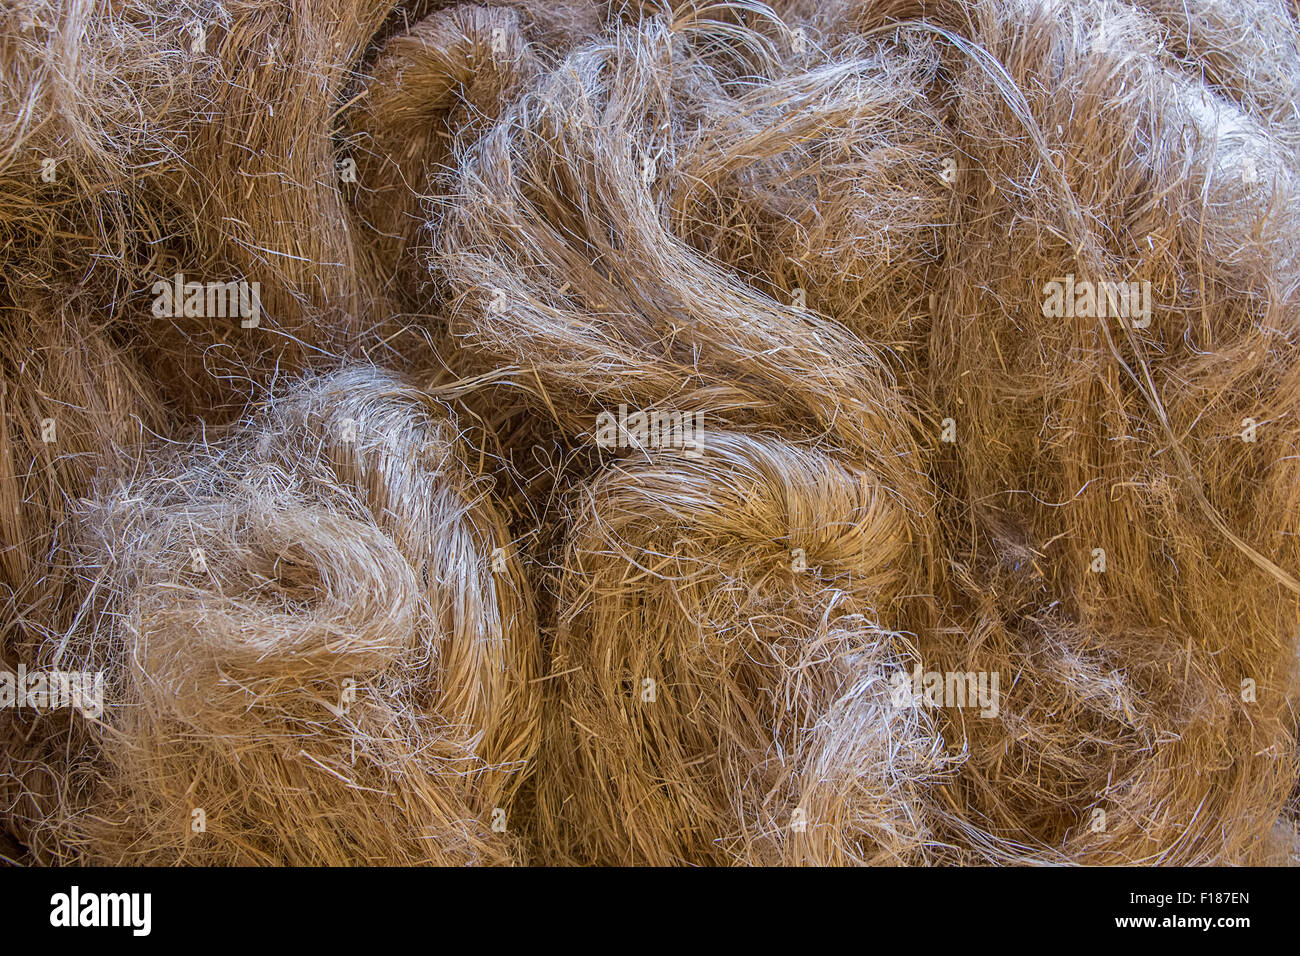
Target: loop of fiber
x,y
307,641
366,580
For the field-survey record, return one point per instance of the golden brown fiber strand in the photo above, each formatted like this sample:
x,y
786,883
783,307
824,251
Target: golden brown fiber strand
x,y
368,580
712,695
72,405
196,139
465,61
306,641
69,402
607,280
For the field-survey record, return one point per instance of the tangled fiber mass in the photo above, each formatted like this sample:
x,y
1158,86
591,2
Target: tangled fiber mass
x,y
363,582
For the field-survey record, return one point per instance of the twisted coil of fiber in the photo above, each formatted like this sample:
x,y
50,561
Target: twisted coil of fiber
x,y
306,641
344,612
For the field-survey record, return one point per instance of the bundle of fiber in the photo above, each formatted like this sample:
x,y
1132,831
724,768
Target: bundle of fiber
x,y
1097,518
560,246
158,143
564,268
1249,52
1116,470
431,88
72,405
267,157
317,647
719,701
264,193
87,116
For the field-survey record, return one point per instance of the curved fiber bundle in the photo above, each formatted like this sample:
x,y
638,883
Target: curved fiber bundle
x,y
72,405
306,639
145,139
637,229
825,231
735,705
432,89
1126,439
69,401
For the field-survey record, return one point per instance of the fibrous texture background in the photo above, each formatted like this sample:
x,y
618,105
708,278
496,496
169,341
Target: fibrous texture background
x,y
366,587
